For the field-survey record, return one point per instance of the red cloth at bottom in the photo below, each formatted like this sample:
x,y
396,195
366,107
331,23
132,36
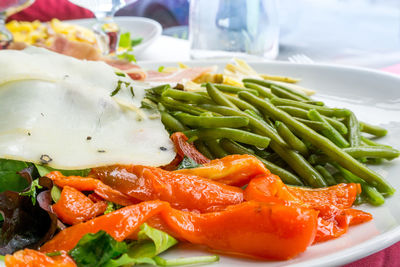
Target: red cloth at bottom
x,y
389,257
45,10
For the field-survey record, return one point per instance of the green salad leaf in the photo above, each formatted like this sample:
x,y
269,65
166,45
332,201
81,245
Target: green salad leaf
x,y
186,261
43,170
161,241
97,249
125,40
127,43
111,207
188,163
136,41
9,179
101,249
32,191
149,244
127,56
55,193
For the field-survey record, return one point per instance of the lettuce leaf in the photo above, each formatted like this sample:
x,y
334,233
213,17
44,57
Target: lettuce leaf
x,y
25,225
43,170
149,244
32,191
9,178
97,249
188,163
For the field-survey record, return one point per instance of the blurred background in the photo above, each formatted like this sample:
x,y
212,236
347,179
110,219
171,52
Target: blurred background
x,y
343,30
357,32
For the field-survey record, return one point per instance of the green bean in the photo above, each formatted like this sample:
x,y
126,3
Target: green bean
x,y
218,97
203,149
279,92
161,107
330,112
263,128
262,153
339,126
318,159
215,148
375,161
290,138
234,89
252,113
373,196
153,97
372,152
313,102
186,96
234,134
360,199
171,123
295,111
341,180
372,129
302,113
330,180
300,166
289,88
354,131
149,104
211,122
243,105
371,143
207,114
159,89
330,132
286,176
173,104
329,148
263,91
315,125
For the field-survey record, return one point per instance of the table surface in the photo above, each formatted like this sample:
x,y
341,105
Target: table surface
x,y
173,49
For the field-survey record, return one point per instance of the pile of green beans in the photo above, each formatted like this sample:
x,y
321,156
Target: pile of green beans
x,y
303,141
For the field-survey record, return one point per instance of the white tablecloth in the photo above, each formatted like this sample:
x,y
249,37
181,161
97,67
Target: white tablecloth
x,y
166,48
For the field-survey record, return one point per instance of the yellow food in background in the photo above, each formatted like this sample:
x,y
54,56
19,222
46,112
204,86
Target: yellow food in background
x,y
38,32
27,32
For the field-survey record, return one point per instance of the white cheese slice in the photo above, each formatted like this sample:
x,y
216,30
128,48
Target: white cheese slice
x,y
60,108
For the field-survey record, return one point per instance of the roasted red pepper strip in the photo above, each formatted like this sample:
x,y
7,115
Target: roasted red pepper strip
x,y
74,207
251,228
267,188
91,184
235,170
183,148
184,192
334,222
341,195
120,224
331,202
33,258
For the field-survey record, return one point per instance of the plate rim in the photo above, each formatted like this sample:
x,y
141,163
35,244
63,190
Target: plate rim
x,y
272,62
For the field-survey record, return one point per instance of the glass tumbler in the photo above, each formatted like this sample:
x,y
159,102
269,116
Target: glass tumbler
x,y
246,29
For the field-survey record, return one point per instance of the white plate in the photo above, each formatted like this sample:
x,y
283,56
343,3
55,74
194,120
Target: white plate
x,y
145,28
375,98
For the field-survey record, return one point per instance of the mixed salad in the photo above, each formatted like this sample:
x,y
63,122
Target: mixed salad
x,y
261,170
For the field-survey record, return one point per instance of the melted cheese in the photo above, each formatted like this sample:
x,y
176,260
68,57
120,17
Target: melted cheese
x,y
57,106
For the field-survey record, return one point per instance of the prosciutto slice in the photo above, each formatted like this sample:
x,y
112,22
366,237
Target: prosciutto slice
x,y
181,75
